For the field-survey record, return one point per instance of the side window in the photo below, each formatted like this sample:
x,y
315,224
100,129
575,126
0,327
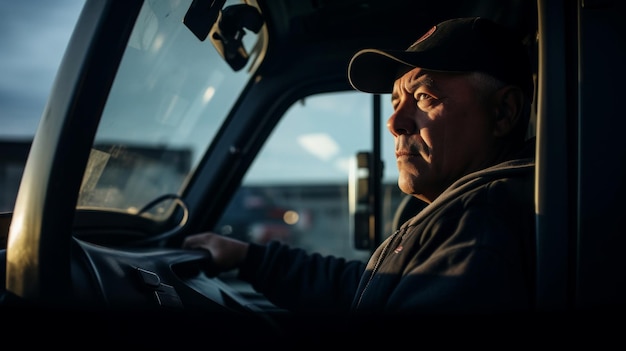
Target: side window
x,y
296,191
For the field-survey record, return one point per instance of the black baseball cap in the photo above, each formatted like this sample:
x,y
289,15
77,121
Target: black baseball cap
x,y
456,45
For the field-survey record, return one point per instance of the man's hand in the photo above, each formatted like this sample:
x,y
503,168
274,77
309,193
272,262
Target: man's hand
x,y
227,253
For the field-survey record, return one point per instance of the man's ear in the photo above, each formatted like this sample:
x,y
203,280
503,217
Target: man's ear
x,y
509,100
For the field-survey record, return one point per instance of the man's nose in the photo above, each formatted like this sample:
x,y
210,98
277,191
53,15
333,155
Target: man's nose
x,y
402,121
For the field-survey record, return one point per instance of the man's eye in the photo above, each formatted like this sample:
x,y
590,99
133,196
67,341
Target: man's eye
x,y
425,101
423,96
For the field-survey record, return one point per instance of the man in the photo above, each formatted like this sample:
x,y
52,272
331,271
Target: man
x,y
461,96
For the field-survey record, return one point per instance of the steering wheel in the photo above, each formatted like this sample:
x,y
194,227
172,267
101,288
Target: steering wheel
x,y
151,289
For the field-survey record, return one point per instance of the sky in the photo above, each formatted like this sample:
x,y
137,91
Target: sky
x,y
33,38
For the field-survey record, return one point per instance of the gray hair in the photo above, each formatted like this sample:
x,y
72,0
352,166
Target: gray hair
x,y
487,84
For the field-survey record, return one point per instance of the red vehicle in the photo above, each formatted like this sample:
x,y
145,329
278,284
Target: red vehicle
x,y
252,215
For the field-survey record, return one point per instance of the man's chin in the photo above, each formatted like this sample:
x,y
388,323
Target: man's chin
x,y
408,184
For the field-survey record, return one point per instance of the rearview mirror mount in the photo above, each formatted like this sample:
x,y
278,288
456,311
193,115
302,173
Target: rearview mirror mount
x,y
228,31
202,15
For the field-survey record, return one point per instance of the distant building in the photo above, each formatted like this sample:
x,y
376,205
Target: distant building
x,y
322,208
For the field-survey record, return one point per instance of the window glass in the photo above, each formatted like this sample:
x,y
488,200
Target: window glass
x,y
171,95
296,190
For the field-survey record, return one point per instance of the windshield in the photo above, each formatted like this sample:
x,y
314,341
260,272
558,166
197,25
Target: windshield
x,y
163,111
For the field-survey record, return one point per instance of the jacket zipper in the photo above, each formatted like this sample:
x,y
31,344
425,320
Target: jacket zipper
x,y
380,259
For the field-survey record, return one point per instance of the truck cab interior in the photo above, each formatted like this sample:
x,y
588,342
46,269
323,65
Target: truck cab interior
x,y
164,112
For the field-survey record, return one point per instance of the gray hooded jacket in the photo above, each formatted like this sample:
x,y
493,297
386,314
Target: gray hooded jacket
x,y
469,251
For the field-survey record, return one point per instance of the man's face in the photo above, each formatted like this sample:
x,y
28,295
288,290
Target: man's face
x,y
442,128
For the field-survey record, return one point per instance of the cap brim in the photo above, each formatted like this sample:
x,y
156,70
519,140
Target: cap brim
x,y
374,71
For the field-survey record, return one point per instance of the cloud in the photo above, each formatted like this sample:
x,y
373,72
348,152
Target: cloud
x,y
320,145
